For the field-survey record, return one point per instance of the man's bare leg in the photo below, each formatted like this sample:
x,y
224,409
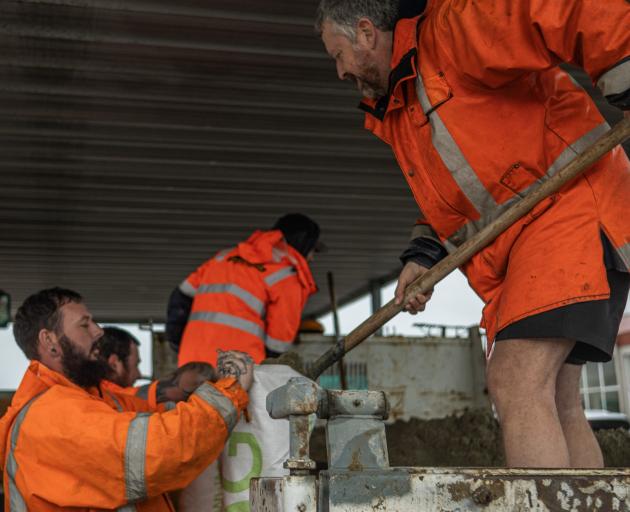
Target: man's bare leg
x,y
522,376
584,451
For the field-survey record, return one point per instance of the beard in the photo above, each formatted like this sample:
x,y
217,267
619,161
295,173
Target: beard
x,y
370,81
80,369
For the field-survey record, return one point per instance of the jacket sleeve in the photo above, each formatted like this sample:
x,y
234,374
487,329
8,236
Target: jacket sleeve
x,y
177,313
148,394
505,39
179,306
425,247
103,459
284,312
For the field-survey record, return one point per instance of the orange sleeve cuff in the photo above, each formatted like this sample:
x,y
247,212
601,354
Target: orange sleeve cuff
x,y
230,387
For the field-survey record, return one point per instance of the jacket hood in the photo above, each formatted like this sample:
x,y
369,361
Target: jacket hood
x,y
268,247
37,379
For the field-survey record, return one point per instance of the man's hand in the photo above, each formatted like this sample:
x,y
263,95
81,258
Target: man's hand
x,y
184,381
236,364
410,272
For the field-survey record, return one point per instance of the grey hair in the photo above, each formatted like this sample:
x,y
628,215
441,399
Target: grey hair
x,y
345,14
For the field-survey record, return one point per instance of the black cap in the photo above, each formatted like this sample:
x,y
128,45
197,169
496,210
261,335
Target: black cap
x,y
301,232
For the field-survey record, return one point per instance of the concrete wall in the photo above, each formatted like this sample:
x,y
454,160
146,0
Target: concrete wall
x,y
424,377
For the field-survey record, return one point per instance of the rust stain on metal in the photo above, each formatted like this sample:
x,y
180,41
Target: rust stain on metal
x,y
459,490
355,463
482,495
380,504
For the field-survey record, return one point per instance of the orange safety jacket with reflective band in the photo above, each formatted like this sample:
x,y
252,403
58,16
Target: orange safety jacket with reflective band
x,y
479,114
64,447
246,298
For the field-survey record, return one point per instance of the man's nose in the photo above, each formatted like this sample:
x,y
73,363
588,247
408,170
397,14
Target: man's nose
x,y
98,331
340,71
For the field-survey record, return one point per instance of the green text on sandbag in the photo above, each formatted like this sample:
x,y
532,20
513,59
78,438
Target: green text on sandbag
x,y
243,438
241,506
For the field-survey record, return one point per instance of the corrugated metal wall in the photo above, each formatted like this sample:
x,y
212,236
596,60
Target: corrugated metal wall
x,y
139,137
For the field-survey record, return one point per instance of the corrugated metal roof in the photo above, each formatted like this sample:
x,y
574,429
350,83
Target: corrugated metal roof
x,y
141,136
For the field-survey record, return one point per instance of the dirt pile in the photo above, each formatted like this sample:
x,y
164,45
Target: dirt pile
x,y
472,439
615,444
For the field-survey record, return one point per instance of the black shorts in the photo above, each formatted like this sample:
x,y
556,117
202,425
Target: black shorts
x,y
594,325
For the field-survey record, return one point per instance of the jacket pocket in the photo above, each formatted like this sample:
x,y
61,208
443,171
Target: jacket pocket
x,y
518,178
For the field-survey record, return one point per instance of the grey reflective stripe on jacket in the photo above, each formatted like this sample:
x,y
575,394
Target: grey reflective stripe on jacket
x,y
616,80
469,182
116,402
143,391
127,508
624,253
229,320
279,275
277,254
222,254
135,457
16,500
187,289
423,231
224,406
247,297
277,345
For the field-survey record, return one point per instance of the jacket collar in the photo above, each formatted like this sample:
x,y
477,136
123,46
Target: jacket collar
x,y
259,248
403,68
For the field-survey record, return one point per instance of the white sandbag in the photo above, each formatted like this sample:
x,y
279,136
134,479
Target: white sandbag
x,y
257,448
204,493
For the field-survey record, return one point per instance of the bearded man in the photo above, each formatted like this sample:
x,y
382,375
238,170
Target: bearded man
x,y
67,444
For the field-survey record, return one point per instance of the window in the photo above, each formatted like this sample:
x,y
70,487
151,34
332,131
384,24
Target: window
x,y
599,387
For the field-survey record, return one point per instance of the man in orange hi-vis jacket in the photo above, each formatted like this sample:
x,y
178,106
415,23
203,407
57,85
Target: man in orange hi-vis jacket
x,y
67,444
477,112
248,298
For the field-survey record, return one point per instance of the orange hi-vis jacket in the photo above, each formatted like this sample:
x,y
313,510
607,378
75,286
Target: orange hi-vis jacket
x,y
67,448
479,114
246,298
144,397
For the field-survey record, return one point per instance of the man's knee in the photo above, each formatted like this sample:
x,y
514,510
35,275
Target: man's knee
x,y
518,372
506,386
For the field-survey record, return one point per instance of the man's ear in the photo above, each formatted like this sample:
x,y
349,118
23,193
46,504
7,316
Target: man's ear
x,y
367,33
48,344
116,365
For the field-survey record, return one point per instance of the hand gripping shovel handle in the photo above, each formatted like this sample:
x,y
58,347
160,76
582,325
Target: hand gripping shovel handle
x,y
429,279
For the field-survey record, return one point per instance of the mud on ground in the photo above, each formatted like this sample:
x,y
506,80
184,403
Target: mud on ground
x,y
472,439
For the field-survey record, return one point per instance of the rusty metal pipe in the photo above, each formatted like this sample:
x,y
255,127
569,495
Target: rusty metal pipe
x,y
426,282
